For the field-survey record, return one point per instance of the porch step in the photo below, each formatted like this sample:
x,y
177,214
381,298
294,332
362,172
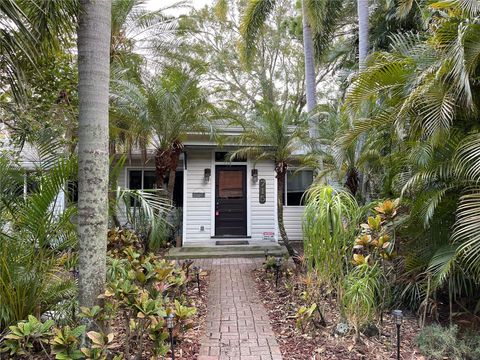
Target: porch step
x,y
225,251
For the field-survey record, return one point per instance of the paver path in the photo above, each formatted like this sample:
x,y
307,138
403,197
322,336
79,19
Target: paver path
x,y
237,324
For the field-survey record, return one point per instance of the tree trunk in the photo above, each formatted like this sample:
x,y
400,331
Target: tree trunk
x,y
159,168
281,174
310,86
177,149
363,15
362,8
93,82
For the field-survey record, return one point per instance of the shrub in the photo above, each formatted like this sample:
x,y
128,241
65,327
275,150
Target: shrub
x,y
439,342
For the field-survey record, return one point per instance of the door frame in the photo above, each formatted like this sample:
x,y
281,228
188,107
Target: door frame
x,y
246,192
212,191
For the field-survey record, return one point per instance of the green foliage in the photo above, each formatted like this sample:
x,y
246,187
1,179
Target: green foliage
x,y
361,294
27,337
439,342
304,315
329,223
101,343
32,241
66,342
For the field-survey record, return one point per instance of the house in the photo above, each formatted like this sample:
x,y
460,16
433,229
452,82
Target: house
x,y
220,199
223,199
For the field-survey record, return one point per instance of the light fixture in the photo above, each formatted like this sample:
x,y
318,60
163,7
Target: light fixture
x,y
196,271
266,254
278,264
206,174
398,316
169,320
254,175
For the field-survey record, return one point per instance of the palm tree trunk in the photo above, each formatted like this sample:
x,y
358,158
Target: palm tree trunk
x,y
281,174
159,168
363,15
93,82
362,8
171,183
310,86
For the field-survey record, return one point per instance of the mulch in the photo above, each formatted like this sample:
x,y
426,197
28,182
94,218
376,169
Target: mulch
x,y
320,342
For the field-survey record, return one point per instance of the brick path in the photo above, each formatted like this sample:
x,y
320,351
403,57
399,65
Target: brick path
x,y
237,325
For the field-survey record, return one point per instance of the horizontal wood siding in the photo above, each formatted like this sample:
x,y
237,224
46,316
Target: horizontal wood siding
x,y
292,216
262,215
198,210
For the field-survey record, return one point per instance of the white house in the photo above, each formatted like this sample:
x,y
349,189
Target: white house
x,y
220,199
223,199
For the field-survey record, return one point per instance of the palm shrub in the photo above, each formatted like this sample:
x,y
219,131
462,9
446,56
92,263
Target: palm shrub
x,y
423,98
32,239
329,223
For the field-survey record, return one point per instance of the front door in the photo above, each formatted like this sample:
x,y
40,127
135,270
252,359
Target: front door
x,y
231,200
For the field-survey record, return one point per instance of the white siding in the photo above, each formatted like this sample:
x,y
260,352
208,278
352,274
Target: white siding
x,y
292,216
262,216
197,210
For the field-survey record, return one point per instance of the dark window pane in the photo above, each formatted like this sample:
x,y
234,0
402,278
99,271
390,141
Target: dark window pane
x,y
72,191
230,184
32,183
149,180
135,180
178,189
297,183
224,156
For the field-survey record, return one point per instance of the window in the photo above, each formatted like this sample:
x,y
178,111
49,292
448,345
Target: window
x,y
142,180
146,179
297,183
223,156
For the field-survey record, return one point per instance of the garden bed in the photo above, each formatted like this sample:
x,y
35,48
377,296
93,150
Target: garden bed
x,y
322,342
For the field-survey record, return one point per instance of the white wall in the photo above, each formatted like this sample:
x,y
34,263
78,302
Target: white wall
x,y
198,211
263,216
292,216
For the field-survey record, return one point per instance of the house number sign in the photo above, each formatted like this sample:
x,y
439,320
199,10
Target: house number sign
x,y
262,191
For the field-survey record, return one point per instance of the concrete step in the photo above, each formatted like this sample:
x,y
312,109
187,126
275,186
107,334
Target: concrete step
x,y
224,251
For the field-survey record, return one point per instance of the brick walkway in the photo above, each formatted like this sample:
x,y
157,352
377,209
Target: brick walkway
x,y
237,325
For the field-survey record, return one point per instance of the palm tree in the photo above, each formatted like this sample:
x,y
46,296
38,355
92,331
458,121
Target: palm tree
x,y
274,135
94,75
163,110
424,96
317,18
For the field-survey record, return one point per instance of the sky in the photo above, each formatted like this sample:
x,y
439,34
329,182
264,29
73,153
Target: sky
x,y
155,4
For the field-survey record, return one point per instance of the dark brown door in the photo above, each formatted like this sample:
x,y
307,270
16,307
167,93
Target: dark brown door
x,y
231,200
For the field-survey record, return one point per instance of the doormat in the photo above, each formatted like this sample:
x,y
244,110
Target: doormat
x,y
231,242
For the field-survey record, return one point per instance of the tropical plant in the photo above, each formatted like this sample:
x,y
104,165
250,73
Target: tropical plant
x,y
164,109
422,96
273,134
32,239
330,220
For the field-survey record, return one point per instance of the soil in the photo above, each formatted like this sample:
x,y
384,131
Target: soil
x,y
317,342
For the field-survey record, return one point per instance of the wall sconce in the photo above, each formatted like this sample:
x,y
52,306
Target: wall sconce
x,y
254,175
206,175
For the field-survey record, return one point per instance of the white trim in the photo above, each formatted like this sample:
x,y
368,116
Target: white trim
x,y
248,182
213,178
275,202
135,168
185,198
